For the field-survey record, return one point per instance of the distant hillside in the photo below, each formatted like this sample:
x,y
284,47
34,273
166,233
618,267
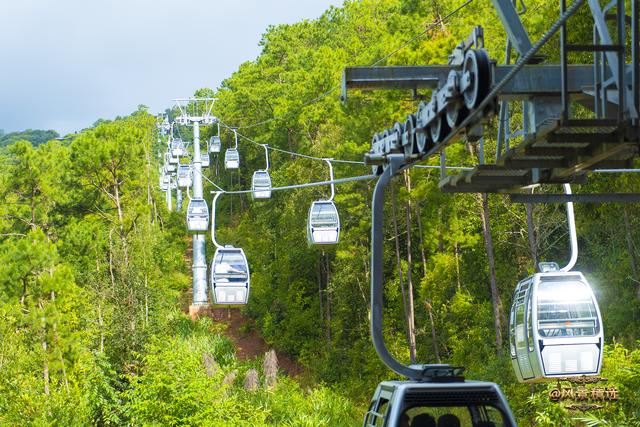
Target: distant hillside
x,y
36,137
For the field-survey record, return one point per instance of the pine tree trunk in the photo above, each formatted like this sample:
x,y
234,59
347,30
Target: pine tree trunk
x,y
495,294
329,296
422,251
399,267
531,233
434,335
44,347
320,297
411,316
631,249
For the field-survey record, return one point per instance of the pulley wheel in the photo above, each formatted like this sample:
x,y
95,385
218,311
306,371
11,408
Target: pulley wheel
x,y
476,64
398,129
376,169
439,128
422,134
409,138
456,113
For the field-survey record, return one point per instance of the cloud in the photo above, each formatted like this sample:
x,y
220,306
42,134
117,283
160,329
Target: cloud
x,y
66,63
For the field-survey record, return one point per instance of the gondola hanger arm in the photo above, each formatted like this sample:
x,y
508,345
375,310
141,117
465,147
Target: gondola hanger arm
x,y
213,219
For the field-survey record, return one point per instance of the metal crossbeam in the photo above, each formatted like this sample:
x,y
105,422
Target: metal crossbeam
x,y
533,80
577,198
513,25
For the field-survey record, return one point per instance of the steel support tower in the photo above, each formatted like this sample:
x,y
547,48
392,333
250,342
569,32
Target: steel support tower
x,y
576,117
194,112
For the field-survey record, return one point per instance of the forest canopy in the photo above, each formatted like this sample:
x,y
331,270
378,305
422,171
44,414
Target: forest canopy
x,y
95,270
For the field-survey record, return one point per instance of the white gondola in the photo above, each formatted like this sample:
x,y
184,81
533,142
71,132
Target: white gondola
x,y
197,215
231,158
261,185
177,148
231,155
452,402
323,223
261,180
165,181
555,327
230,276
169,165
215,144
205,159
185,176
168,169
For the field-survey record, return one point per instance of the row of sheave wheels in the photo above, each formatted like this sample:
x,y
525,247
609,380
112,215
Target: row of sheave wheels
x,y
447,108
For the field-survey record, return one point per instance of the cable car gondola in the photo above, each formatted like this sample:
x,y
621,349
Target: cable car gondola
x,y
434,394
230,276
165,181
261,185
231,155
555,327
451,401
231,158
197,215
261,180
215,144
185,176
205,160
169,165
323,223
177,148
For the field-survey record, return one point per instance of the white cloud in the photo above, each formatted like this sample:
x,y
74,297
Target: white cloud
x,y
66,63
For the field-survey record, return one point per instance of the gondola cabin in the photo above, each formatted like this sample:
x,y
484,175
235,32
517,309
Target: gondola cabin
x,y
438,403
205,159
261,185
555,328
177,148
231,158
323,225
169,165
197,215
230,276
165,181
185,176
168,168
215,145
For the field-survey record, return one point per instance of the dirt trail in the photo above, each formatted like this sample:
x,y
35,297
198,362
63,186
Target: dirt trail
x,y
248,342
239,329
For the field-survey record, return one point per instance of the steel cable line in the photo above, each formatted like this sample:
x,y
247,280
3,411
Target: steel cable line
x,y
333,160
307,184
429,27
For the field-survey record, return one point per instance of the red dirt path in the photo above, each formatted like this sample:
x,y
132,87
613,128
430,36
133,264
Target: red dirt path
x,y
248,342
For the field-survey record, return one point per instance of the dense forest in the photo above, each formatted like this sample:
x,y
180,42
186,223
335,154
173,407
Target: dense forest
x,y
35,137
93,266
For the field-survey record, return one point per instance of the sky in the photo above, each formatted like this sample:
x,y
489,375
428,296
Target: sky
x,y
66,63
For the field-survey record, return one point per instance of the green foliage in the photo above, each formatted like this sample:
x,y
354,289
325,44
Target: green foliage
x,y
92,266
35,137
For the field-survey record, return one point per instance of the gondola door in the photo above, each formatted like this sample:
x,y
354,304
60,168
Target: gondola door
x,y
522,316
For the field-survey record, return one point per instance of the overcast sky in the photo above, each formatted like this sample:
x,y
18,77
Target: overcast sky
x,y
66,63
